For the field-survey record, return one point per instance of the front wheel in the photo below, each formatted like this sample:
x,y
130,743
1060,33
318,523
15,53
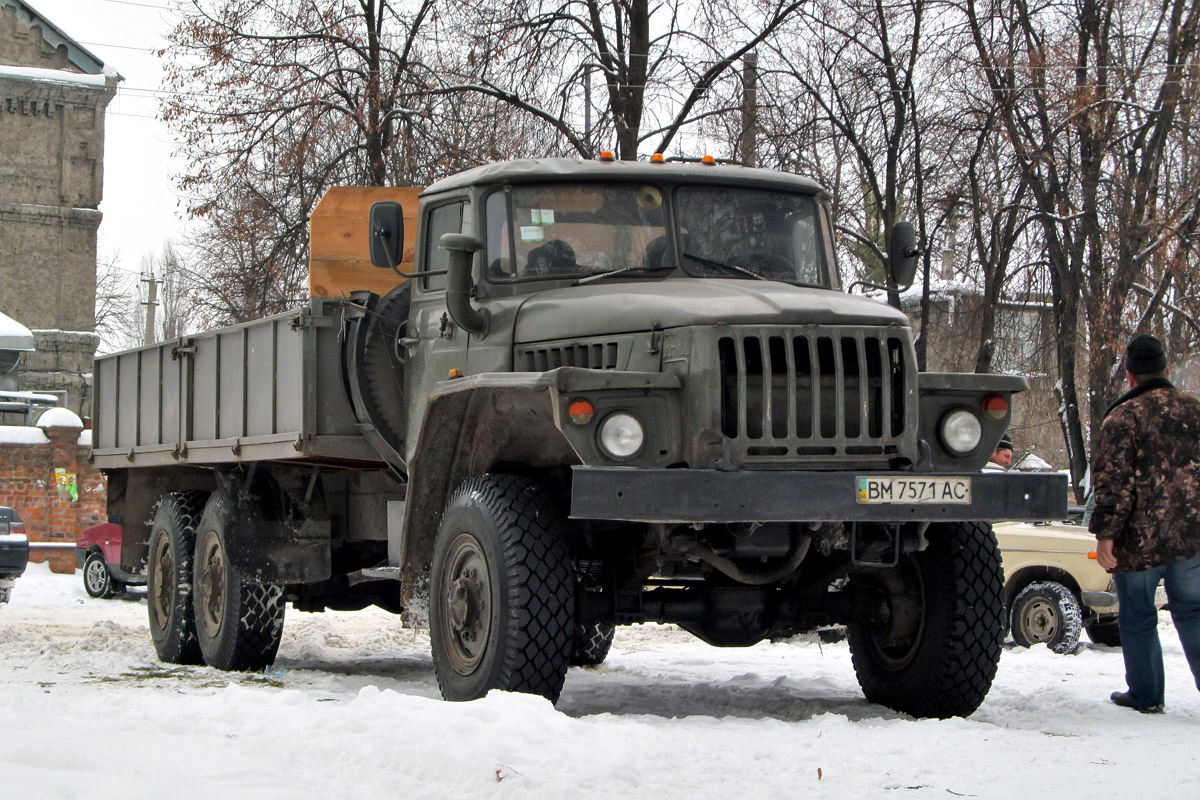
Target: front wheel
x,y
239,625
926,637
1047,613
97,581
501,591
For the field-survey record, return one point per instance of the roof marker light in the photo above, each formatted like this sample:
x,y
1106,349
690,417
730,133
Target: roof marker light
x,y
657,158
707,159
607,155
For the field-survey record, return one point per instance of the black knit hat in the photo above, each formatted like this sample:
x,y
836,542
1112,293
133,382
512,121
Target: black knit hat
x,y
1145,355
1005,443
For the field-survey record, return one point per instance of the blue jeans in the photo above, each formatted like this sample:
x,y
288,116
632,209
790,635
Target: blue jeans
x,y
1138,619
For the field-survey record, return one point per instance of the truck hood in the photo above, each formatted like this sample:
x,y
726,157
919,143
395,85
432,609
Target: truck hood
x,y
609,308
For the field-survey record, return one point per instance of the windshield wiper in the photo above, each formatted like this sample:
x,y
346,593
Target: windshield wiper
x,y
722,265
608,273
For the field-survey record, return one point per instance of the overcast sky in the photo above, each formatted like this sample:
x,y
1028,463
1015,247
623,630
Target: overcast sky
x,y
141,208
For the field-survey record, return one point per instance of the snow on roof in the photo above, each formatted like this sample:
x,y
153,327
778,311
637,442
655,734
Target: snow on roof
x,y
85,438
41,75
59,418
14,335
22,434
1032,462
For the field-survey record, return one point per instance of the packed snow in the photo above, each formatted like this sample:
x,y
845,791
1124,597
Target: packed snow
x,y
351,709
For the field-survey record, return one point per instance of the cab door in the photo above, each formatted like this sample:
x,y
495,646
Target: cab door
x,y
435,344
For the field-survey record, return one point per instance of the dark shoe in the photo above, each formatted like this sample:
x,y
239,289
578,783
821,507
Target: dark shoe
x,y
1125,701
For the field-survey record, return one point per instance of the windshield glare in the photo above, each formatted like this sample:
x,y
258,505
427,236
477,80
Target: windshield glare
x,y
575,230
572,231
776,235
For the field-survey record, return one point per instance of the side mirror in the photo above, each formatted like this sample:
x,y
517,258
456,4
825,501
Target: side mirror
x,y
902,253
461,248
387,234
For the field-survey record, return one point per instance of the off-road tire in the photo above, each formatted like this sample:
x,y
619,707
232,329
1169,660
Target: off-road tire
x,y
97,581
1106,632
500,608
591,644
238,624
169,577
939,659
1047,613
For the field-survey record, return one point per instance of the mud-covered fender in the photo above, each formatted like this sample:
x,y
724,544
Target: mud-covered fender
x,y
472,424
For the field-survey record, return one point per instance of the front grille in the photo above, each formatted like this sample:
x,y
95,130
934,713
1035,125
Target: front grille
x,y
588,355
827,394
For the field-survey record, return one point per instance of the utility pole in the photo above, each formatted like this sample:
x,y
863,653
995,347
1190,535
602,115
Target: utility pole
x,y
150,303
749,145
587,107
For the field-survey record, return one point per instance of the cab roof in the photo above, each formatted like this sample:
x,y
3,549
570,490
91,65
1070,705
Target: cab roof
x,y
535,170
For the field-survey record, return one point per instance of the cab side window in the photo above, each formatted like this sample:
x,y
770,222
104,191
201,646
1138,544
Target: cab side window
x,y
442,220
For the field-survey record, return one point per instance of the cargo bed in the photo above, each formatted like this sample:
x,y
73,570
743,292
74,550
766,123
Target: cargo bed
x,y
260,391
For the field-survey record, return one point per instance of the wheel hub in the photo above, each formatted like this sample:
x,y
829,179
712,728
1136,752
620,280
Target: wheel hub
x,y
467,605
163,566
210,584
1039,621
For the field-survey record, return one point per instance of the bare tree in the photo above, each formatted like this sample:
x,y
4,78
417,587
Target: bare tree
x,y
653,63
116,305
1090,97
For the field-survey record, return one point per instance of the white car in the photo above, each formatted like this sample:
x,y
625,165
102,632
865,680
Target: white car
x,y
1054,587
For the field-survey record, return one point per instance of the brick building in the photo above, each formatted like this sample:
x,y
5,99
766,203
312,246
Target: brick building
x,y
45,475
53,94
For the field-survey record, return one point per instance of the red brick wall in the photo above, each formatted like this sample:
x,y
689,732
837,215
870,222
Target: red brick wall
x,y
27,483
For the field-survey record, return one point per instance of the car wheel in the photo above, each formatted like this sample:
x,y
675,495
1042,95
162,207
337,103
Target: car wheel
x,y
169,577
1046,613
926,640
501,591
97,581
1106,632
239,625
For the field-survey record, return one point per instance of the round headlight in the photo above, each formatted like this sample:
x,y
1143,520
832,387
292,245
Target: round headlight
x,y
621,436
961,431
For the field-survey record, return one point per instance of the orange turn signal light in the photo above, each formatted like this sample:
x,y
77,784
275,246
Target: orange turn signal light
x,y
1092,555
456,373
995,406
581,412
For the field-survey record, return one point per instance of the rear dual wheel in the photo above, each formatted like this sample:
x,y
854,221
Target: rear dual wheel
x,y
200,609
239,625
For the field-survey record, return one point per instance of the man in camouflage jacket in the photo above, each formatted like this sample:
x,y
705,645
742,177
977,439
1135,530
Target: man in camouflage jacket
x,y
1147,517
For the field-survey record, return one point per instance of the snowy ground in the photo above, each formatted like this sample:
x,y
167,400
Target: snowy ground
x,y
351,710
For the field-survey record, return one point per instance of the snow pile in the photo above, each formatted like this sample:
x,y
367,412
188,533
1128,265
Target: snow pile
x,y
351,709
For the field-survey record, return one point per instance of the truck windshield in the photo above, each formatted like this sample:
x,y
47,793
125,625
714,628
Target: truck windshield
x,y
774,235
571,231
591,231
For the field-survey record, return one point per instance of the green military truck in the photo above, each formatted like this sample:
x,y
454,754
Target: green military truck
x,y
605,393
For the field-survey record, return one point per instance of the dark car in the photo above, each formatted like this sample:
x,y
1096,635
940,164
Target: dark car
x,y
14,550
98,555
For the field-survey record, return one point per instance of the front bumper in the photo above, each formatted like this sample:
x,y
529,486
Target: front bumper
x,y
690,495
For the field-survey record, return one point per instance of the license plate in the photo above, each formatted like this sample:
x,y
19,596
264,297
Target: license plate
x,y
913,491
